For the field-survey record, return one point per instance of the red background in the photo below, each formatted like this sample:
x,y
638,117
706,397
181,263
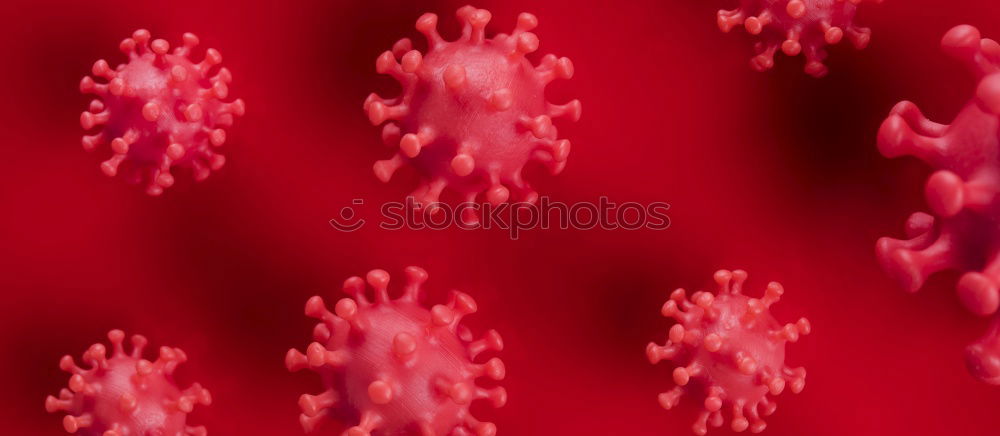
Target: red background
x,y
776,173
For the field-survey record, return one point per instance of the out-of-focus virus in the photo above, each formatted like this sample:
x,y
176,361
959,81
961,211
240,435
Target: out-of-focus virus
x,y
964,233
797,26
393,367
159,110
729,352
127,395
472,112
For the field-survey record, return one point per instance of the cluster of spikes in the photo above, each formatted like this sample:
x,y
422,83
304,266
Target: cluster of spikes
x,y
796,26
157,113
728,349
964,231
472,112
393,366
127,395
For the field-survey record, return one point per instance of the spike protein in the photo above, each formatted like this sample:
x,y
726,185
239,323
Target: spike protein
x,y
796,26
158,111
472,112
963,234
126,394
729,350
394,367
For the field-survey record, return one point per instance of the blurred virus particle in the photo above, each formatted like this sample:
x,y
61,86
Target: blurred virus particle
x,y
964,232
472,112
797,26
728,350
159,110
394,367
127,395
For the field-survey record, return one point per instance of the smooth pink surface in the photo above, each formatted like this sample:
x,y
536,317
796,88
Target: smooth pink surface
x,y
777,173
962,193
391,366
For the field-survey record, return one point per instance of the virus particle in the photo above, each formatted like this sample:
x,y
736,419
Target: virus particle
x,y
158,111
964,232
797,26
472,112
127,395
728,350
394,367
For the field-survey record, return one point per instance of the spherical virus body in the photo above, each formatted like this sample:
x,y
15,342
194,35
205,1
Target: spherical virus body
x,y
729,351
393,367
964,231
127,395
158,111
473,111
796,26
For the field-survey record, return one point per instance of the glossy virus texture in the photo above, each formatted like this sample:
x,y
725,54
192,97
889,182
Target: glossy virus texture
x,y
472,112
125,394
796,26
393,367
964,232
729,352
158,111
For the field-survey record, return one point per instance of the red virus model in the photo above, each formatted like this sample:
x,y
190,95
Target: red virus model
x,y
394,367
126,395
158,111
730,351
796,26
964,234
473,112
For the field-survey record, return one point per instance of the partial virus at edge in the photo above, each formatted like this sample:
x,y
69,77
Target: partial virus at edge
x,y
391,366
125,394
797,27
963,233
728,352
158,111
473,111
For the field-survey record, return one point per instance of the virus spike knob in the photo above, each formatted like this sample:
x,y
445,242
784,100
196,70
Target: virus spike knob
x,y
963,233
124,394
796,26
472,112
729,351
392,366
159,110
